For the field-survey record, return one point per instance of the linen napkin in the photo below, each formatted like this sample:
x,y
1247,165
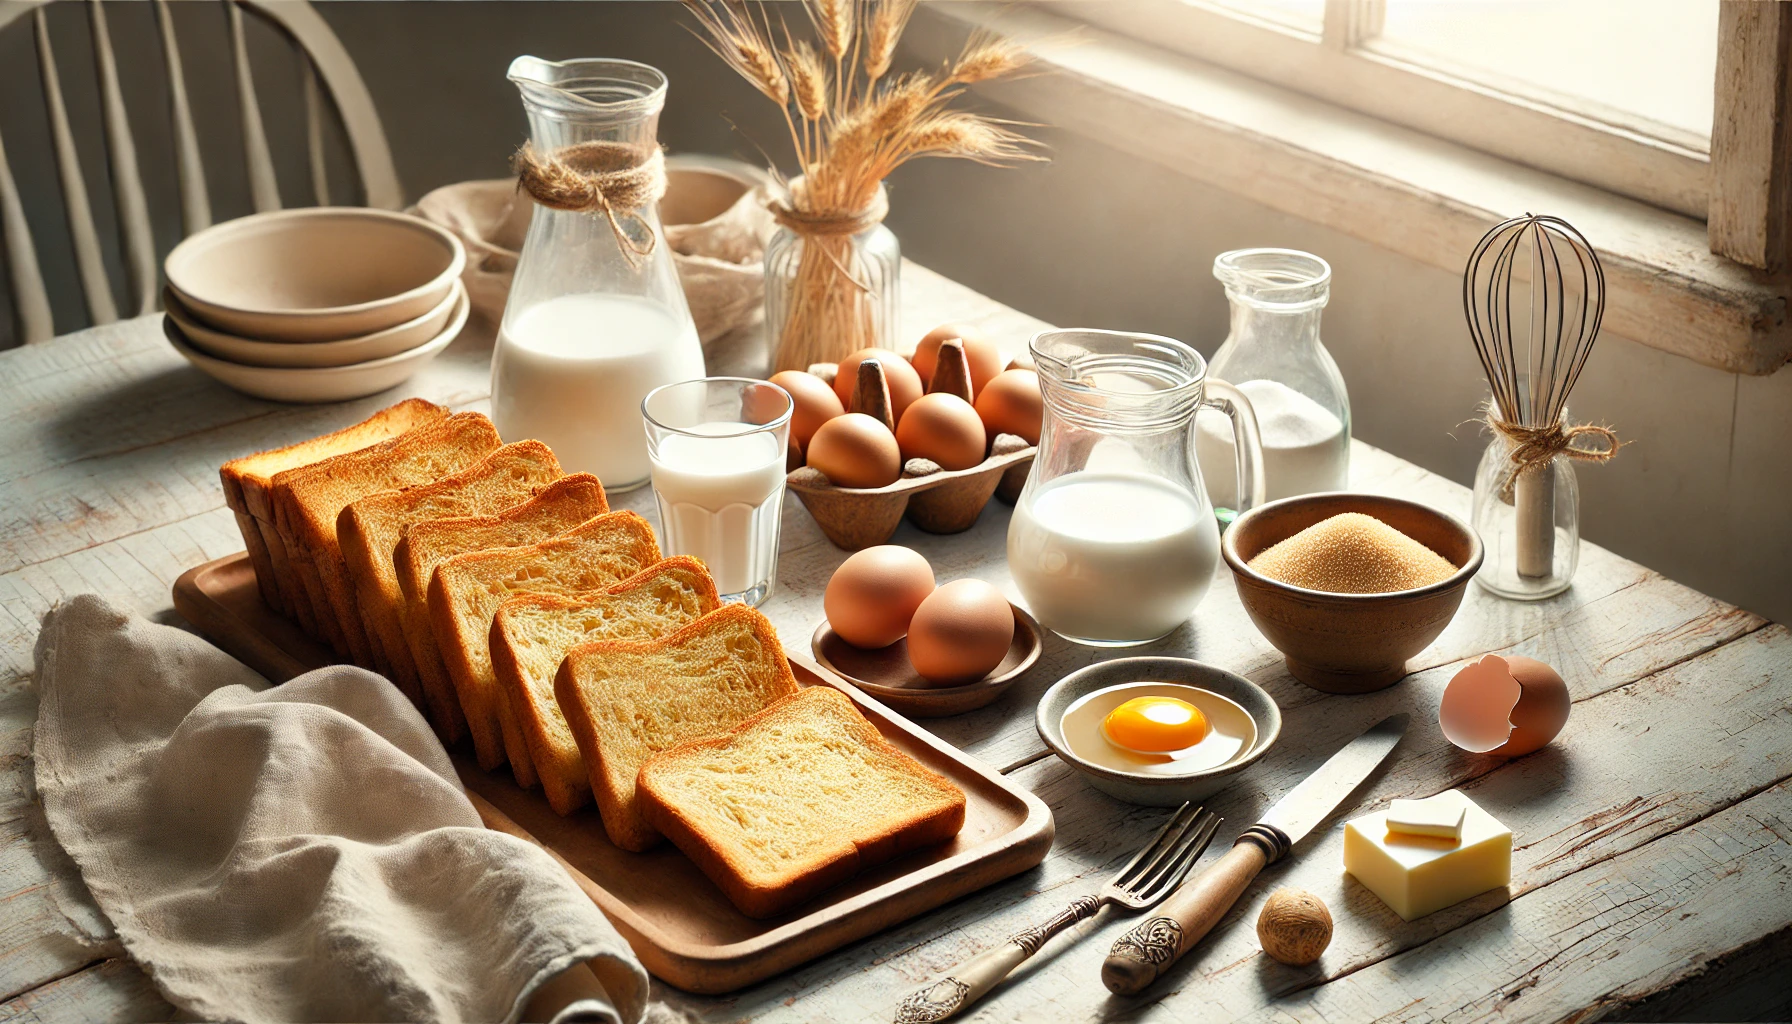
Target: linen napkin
x,y
301,852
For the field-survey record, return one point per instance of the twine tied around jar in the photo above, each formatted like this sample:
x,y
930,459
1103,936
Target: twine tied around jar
x,y
830,224
615,178
1533,447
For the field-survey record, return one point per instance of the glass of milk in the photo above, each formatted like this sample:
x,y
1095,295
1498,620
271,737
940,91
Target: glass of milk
x,y
1113,541
717,447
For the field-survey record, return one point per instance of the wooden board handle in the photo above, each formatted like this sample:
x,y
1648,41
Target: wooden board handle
x,y
1142,955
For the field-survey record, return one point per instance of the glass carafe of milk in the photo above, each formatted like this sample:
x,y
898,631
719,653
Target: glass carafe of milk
x,y
1273,354
596,317
1113,541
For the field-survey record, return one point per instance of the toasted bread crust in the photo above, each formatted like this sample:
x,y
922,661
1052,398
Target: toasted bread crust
x,y
606,739
526,677
308,499
864,843
246,480
466,590
368,531
566,504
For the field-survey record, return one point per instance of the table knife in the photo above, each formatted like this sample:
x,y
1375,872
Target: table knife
x,y
1141,955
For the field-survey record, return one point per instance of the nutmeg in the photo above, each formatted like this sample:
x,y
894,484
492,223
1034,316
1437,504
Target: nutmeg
x,y
1294,927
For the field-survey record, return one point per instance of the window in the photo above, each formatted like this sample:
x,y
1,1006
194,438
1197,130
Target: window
x,y
1614,93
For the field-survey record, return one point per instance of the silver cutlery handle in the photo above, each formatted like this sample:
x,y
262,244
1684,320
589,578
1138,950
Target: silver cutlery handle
x,y
970,980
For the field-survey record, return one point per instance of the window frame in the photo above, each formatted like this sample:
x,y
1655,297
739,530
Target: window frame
x,y
1348,64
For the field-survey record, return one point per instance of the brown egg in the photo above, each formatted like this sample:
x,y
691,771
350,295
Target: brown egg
x,y
945,429
960,633
1506,706
1012,404
762,403
905,384
873,595
980,352
855,450
815,403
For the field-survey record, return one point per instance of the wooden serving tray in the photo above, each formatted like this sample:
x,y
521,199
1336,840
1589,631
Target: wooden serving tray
x,y
680,925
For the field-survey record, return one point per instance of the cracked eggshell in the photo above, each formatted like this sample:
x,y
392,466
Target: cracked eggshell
x,y
1504,706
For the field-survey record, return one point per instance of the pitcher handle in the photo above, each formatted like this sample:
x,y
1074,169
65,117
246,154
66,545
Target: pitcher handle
x,y
1247,443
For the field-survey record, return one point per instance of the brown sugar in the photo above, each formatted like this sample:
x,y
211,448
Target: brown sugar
x,y
1352,553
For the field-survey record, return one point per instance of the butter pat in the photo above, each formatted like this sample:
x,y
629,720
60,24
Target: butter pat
x,y
1439,816
1418,875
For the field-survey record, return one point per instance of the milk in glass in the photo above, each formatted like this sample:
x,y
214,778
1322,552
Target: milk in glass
x,y
721,493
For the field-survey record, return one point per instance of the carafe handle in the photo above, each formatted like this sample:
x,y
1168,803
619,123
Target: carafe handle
x,y
1247,443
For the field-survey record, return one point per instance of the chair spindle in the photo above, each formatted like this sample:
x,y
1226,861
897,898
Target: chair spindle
x,y
94,285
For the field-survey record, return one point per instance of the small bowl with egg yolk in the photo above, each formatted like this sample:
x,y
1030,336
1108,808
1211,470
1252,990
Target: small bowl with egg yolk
x,y
1080,745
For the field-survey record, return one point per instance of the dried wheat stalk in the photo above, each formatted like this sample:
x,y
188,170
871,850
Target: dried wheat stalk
x,y
852,125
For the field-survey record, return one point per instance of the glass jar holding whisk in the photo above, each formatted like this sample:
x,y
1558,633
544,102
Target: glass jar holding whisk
x,y
1529,521
1526,498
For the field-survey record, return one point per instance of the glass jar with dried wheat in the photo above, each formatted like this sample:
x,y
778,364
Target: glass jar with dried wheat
x,y
832,273
839,290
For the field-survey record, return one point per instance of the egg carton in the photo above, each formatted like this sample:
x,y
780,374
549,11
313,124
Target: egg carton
x,y
935,499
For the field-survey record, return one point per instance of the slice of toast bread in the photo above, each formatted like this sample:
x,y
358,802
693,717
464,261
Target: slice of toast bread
x,y
795,800
368,531
246,481
466,590
566,503
626,702
308,499
530,637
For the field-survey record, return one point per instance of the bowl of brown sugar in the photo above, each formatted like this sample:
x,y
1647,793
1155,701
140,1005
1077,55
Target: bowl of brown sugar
x,y
1350,586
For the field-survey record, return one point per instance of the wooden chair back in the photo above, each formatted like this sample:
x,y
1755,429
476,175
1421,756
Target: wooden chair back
x,y
329,81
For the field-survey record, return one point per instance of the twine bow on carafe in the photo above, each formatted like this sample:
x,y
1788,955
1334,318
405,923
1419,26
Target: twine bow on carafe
x,y
616,179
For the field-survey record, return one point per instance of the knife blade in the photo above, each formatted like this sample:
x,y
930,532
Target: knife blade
x,y
1319,794
1141,955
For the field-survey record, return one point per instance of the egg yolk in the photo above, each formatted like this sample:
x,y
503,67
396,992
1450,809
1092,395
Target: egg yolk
x,y
1155,724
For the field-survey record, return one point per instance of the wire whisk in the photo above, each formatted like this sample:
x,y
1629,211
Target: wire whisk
x,y
1544,268
1565,302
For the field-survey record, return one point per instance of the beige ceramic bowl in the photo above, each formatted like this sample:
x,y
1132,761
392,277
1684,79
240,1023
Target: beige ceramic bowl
x,y
368,347
319,274
320,384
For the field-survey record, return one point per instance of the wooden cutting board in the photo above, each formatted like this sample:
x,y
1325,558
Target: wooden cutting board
x,y
680,925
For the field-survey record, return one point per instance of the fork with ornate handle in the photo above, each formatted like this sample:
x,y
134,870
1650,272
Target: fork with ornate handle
x,y
1152,873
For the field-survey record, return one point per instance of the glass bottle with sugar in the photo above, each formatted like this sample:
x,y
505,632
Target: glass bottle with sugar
x,y
596,317
1273,354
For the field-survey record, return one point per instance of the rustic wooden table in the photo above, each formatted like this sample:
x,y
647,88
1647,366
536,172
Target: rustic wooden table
x,y
1652,870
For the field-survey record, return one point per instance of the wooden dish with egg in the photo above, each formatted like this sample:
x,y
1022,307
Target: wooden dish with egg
x,y
887,674
859,481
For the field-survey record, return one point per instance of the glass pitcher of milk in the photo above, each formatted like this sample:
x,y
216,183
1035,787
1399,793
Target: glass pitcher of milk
x,y
1113,541
596,317
1274,354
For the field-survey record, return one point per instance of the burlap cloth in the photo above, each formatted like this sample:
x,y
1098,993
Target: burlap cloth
x,y
719,260
300,852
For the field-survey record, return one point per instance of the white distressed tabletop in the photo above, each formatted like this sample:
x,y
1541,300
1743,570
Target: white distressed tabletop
x,y
1653,853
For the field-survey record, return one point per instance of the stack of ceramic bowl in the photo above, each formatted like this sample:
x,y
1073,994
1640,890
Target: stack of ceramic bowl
x,y
315,305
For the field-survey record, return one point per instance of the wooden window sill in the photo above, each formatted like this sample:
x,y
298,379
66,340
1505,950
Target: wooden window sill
x,y
1415,194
